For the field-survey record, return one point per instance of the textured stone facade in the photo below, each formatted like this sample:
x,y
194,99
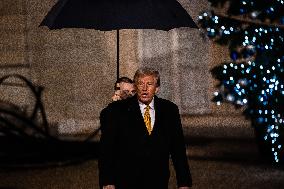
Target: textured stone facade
x,y
77,67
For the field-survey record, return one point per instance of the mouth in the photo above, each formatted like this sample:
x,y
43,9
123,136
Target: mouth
x,y
144,95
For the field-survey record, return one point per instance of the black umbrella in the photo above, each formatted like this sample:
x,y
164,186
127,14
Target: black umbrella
x,y
108,15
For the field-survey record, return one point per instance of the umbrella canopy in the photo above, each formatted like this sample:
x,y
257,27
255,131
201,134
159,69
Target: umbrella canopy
x,y
118,14
108,15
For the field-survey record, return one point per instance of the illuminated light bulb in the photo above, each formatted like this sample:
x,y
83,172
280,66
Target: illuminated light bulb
x,y
275,153
230,98
239,102
273,116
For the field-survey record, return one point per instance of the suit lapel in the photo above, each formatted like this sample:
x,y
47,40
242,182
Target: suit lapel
x,y
136,116
158,115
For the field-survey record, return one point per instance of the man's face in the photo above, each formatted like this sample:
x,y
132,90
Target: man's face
x,y
146,88
127,89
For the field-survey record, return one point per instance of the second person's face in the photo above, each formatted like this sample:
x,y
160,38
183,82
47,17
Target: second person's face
x,y
127,89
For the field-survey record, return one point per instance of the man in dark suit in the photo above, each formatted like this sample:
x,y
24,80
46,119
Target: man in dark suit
x,y
139,135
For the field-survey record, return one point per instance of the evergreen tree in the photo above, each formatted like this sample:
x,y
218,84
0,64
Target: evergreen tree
x,y
253,30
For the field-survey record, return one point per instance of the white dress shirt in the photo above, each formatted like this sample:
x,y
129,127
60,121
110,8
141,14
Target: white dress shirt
x,y
152,111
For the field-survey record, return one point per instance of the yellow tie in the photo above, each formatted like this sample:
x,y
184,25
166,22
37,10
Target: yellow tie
x,y
147,119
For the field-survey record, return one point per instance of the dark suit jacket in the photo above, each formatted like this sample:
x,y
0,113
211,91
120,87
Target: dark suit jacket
x,y
132,159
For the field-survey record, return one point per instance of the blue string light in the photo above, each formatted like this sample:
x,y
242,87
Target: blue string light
x,y
255,77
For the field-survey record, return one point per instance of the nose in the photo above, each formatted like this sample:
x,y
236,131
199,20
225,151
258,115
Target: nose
x,y
144,88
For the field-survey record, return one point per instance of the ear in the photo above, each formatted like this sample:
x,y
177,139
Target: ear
x,y
157,90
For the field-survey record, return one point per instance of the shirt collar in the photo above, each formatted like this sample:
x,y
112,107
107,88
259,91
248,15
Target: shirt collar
x,y
143,106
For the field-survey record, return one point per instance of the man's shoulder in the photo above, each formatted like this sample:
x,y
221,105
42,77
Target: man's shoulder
x,y
120,104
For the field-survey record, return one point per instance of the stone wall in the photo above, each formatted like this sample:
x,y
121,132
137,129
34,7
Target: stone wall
x,y
77,67
13,57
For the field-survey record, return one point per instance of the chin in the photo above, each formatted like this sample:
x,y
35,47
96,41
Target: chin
x,y
143,100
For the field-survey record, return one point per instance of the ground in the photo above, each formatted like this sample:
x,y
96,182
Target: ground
x,y
215,163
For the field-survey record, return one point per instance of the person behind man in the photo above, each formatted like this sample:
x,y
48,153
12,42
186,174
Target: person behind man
x,y
123,88
138,137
